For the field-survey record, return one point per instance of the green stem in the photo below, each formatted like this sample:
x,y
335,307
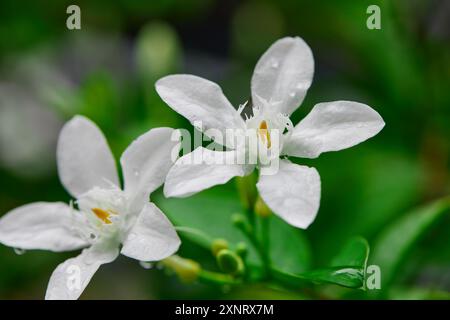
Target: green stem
x,y
262,250
201,237
265,244
210,277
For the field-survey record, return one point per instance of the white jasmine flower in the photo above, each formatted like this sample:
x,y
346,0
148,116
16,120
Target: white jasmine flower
x,y
107,216
279,83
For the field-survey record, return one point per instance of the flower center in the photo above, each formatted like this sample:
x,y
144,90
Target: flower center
x,y
264,134
103,214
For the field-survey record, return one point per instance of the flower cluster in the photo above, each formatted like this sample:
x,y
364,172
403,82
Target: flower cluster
x,y
107,218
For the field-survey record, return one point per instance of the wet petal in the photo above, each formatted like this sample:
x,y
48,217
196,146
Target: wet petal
x,y
284,74
293,193
84,158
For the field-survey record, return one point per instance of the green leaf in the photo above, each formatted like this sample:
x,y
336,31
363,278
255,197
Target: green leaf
x,y
347,268
344,276
354,254
396,241
289,247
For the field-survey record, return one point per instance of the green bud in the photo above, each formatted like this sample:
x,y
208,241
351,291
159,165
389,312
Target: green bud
x,y
186,269
218,245
229,262
261,208
242,250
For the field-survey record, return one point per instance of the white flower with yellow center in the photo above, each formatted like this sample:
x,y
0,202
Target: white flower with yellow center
x,y
280,81
108,220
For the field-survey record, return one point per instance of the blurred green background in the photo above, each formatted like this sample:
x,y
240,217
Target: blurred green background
x,y
107,71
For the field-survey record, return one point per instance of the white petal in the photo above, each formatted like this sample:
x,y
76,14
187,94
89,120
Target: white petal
x,y
284,73
293,193
84,157
333,126
152,238
71,277
41,225
200,170
198,99
146,162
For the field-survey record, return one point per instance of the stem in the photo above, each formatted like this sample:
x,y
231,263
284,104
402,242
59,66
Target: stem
x,y
202,237
210,277
260,246
250,216
265,244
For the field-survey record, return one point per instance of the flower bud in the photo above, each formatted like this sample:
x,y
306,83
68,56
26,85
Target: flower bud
x,y
241,223
186,269
261,208
242,250
229,262
218,245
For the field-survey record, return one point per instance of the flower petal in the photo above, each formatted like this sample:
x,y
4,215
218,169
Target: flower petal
x,y
200,170
283,74
293,193
41,225
198,99
152,238
84,157
71,277
146,162
333,126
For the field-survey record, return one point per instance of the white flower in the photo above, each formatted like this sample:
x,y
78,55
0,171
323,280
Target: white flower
x,y
279,83
107,216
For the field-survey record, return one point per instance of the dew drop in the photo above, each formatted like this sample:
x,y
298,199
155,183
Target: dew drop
x,y
92,236
146,265
275,64
136,172
19,251
292,94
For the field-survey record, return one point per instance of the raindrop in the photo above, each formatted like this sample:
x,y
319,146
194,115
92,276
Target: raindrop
x,y
136,172
292,94
146,265
19,251
275,64
92,236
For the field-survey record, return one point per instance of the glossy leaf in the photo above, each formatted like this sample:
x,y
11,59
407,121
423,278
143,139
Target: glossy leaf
x,y
354,254
396,241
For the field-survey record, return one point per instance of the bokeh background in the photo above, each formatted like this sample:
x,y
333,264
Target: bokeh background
x,y
106,71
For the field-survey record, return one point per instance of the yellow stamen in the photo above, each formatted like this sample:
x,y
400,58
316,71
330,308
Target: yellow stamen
x,y
264,133
102,215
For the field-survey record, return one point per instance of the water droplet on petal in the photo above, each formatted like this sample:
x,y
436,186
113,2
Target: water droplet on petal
x,y
275,64
19,251
292,94
136,172
146,265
